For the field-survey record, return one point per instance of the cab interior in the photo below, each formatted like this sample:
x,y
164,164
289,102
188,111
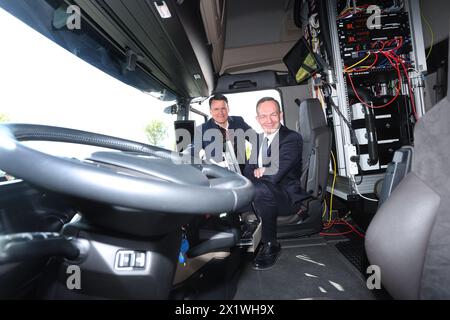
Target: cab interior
x,y
143,222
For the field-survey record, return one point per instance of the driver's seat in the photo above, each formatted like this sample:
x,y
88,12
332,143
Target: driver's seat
x,y
409,237
315,162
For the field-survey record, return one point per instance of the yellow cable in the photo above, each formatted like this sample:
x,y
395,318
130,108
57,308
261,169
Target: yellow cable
x,y
429,27
360,61
320,96
332,186
344,11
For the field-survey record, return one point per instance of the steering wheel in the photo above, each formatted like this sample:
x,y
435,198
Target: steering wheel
x,y
141,177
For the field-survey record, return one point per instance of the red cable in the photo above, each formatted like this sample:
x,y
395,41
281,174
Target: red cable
x,y
335,234
340,222
399,60
388,56
365,103
411,95
354,229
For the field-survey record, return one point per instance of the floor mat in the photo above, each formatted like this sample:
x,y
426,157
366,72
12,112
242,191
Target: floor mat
x,y
355,253
315,271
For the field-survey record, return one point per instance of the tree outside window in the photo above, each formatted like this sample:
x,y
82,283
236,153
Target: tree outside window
x,y
3,118
156,132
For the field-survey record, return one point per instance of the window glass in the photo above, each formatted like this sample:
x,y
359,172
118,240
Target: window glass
x,y
42,83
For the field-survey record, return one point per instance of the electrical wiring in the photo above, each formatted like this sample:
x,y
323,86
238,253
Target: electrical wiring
x,y
431,32
352,177
369,105
411,94
332,186
357,63
341,222
349,11
389,57
401,62
349,125
353,229
324,209
365,68
400,43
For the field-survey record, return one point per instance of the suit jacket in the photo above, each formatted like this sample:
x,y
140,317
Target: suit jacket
x,y
284,171
234,123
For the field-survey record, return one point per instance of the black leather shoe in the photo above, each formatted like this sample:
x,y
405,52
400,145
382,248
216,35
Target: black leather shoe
x,y
267,255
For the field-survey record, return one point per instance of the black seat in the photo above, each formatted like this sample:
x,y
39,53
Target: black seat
x,y
316,158
409,237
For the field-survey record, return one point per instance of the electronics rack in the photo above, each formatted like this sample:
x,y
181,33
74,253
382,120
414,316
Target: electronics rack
x,y
375,82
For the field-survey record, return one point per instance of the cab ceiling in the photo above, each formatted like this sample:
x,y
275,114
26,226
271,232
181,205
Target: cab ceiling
x,y
254,34
172,50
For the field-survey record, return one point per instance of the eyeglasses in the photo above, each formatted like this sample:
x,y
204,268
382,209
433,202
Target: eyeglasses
x,y
263,117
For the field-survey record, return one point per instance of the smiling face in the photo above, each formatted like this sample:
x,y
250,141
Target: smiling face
x,y
219,111
269,116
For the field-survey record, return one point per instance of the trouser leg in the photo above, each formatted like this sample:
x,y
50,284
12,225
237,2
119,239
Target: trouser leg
x,y
268,202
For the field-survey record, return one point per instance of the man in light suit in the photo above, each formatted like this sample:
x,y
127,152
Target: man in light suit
x,y
275,170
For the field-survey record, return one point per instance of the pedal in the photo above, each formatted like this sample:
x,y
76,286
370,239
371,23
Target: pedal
x,y
252,240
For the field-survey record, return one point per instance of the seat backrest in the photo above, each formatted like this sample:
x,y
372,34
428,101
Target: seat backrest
x,y
409,237
316,147
396,170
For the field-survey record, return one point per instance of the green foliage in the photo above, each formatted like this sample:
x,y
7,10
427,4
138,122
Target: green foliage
x,y
3,118
156,131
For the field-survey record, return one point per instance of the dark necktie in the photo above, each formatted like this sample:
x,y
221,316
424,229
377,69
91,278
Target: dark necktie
x,y
224,134
224,137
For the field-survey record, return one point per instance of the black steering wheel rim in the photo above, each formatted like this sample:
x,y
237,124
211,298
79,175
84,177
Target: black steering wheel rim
x,y
225,192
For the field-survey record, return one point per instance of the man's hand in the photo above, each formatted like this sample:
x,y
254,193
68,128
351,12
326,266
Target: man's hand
x,y
259,172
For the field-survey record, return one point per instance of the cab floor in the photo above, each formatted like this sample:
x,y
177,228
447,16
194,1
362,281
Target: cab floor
x,y
308,268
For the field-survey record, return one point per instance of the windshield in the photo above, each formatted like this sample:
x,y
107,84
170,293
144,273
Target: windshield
x,y
42,83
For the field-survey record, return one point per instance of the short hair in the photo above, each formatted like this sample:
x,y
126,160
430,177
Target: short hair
x,y
218,97
265,99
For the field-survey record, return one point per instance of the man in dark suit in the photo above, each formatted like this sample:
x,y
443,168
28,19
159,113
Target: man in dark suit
x,y
220,128
275,169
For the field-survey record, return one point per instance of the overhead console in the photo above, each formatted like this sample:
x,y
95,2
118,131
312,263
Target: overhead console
x,y
249,36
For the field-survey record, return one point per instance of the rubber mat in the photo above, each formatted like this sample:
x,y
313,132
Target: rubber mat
x,y
355,253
